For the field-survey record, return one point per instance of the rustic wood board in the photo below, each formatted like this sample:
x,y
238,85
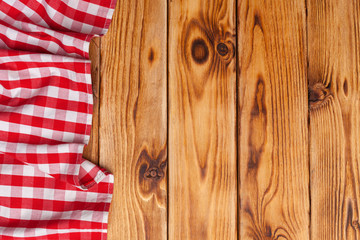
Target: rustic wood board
x,y
334,60
133,118
91,151
273,127
202,120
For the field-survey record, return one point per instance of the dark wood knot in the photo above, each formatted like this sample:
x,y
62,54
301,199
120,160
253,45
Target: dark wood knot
x,y
355,224
317,94
154,173
222,49
226,50
199,51
345,87
151,55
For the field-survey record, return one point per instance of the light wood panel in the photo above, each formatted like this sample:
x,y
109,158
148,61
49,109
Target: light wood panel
x,y
91,151
202,135
133,119
273,128
334,57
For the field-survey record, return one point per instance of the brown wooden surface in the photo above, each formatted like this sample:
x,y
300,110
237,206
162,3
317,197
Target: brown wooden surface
x,y
91,151
133,119
202,147
273,132
259,101
334,60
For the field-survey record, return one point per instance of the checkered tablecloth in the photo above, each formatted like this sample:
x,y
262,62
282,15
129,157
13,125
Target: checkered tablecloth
x,y
47,190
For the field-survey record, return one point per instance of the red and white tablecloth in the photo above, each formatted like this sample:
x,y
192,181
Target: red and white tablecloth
x,y
47,190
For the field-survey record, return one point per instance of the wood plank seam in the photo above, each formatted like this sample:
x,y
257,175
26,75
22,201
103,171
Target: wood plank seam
x,y
237,112
167,115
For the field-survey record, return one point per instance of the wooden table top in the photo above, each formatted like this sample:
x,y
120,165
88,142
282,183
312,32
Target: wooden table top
x,y
230,119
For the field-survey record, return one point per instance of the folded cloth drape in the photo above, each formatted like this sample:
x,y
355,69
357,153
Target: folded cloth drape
x,y
47,190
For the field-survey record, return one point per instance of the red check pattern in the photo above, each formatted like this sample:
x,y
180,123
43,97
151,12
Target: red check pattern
x,y
47,190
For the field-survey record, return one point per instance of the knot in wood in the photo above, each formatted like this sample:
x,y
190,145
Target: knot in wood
x,y
199,51
151,55
356,224
222,49
154,173
317,94
226,50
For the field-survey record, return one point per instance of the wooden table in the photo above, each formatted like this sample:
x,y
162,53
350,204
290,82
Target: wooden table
x,y
228,119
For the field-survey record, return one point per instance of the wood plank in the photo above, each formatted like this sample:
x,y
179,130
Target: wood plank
x,y
273,112
202,120
133,118
91,151
334,61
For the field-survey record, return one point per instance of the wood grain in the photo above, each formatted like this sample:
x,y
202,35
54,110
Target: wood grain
x,y
273,128
202,135
334,61
91,151
133,118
